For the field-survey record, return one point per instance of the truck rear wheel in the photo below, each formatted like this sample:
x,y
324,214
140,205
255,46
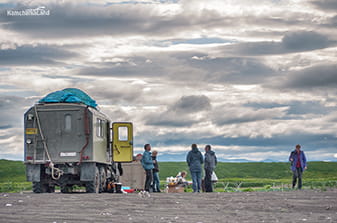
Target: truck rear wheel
x,y
93,186
39,187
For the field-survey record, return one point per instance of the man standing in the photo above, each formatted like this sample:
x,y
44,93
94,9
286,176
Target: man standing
x,y
299,164
194,160
156,181
210,163
147,163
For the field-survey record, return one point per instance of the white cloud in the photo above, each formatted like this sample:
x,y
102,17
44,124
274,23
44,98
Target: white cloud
x,y
241,75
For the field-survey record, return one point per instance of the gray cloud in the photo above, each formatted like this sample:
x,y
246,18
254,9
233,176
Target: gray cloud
x,y
68,20
192,104
180,114
296,107
12,110
33,55
303,41
230,114
81,20
170,119
236,70
321,76
292,42
327,5
118,94
6,126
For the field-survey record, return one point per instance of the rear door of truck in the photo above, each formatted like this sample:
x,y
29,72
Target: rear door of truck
x,y
122,144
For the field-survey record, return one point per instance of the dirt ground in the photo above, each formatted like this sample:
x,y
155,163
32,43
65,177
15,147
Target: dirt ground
x,y
289,206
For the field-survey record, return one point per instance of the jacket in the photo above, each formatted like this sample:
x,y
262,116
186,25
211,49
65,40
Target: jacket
x,y
194,160
210,160
147,162
303,160
155,165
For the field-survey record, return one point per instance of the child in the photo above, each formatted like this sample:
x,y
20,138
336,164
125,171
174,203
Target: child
x,y
181,179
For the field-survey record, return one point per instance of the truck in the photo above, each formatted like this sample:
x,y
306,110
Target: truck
x,y
68,142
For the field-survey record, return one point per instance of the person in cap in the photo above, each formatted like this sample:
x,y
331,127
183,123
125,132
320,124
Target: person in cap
x,y
299,164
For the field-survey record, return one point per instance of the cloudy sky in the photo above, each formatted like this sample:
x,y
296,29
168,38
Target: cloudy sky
x,y
253,78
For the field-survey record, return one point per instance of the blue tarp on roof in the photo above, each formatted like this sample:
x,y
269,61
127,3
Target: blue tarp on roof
x,y
69,95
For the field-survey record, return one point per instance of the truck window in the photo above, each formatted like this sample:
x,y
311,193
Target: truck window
x,y
100,128
67,122
122,133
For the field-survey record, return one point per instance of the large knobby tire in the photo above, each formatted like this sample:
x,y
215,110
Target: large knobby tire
x,y
93,186
39,187
103,178
66,189
51,189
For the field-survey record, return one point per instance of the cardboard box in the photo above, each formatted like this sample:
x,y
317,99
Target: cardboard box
x,y
176,189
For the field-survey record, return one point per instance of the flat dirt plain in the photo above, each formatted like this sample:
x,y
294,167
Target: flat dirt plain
x,y
287,206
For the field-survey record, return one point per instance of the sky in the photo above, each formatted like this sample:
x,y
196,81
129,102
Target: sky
x,y
252,78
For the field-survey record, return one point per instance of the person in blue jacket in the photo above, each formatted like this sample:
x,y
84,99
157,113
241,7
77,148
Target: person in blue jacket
x,y
298,165
148,166
194,161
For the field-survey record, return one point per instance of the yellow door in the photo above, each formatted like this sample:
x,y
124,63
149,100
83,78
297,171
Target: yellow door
x,y
122,145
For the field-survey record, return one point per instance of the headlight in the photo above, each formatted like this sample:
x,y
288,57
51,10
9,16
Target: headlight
x,y
30,117
29,141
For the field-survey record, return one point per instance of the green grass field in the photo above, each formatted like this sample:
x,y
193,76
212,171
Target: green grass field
x,y
231,175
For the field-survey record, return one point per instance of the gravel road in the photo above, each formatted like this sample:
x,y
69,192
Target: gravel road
x,y
289,206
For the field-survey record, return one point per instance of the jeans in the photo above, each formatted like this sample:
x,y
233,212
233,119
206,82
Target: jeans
x,y
148,180
297,174
156,182
196,181
208,180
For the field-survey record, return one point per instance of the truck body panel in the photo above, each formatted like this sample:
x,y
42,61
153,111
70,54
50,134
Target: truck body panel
x,y
70,144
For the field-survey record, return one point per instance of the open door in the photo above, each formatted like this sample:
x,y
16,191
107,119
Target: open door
x,y
122,145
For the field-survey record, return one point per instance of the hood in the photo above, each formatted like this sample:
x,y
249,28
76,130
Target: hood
x,y
195,150
211,152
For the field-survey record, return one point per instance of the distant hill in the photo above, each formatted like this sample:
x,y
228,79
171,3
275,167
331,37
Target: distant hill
x,y
181,157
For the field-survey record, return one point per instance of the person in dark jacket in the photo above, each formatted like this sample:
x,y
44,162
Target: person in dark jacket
x,y
298,165
194,161
209,165
156,181
148,166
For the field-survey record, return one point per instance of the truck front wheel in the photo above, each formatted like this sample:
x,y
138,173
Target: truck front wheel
x,y
102,173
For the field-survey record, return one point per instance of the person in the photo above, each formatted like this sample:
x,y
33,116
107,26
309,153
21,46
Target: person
x,y
194,161
209,165
299,164
181,181
148,166
156,182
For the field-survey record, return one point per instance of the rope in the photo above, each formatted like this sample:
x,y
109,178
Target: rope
x,y
54,170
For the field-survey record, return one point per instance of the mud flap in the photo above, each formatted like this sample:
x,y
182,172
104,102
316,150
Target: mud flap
x,y
88,171
33,172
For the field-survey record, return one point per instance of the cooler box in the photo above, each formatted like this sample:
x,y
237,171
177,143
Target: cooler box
x,y
176,188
